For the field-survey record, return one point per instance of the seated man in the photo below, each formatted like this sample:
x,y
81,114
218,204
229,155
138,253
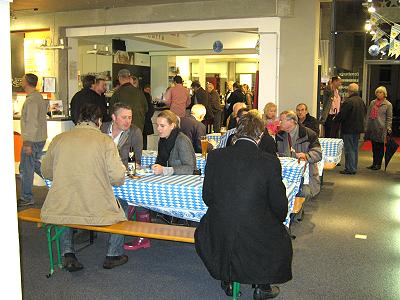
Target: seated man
x,y
84,165
306,119
232,118
300,142
193,128
226,139
126,136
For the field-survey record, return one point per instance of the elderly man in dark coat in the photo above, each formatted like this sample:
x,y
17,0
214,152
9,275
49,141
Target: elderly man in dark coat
x,y
241,238
352,119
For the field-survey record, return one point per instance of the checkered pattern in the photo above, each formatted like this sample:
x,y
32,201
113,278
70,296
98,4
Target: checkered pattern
x,y
331,149
214,136
224,138
181,195
292,173
149,158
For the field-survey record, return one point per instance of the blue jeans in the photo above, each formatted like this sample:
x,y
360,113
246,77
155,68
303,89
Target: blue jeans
x,y
27,167
115,241
351,151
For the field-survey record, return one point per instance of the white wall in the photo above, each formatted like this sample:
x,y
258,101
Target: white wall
x,y
299,57
10,271
91,63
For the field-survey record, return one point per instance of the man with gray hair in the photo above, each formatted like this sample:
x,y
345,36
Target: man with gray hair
x,y
352,118
132,96
295,140
193,128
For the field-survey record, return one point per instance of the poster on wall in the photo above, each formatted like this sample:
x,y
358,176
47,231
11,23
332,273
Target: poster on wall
x,y
49,84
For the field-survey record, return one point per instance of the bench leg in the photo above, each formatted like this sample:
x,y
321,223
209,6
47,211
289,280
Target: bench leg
x,y
57,240
50,249
236,290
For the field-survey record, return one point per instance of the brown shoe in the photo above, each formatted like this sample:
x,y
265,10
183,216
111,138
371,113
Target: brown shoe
x,y
114,261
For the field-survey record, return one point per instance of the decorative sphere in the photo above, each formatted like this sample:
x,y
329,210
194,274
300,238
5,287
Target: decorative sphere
x,y
218,46
373,50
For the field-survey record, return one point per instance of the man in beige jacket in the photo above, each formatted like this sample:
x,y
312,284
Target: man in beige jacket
x,y
34,135
84,164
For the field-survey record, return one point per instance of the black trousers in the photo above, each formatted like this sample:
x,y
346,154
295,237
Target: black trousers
x,y
377,153
331,128
217,121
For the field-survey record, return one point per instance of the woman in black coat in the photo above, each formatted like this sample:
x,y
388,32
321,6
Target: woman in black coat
x,y
242,238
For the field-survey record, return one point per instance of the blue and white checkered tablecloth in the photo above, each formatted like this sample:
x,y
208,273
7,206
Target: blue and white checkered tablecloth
x,y
331,149
149,158
215,137
181,195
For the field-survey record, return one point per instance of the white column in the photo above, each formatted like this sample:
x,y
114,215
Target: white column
x,y
268,69
159,75
10,271
202,71
73,59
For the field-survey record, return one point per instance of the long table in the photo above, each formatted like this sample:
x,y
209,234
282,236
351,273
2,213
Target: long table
x,y
181,195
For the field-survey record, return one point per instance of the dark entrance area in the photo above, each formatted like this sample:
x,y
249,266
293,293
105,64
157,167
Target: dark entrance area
x,y
387,75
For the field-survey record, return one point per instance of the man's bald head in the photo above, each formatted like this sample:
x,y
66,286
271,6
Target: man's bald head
x,y
352,88
237,106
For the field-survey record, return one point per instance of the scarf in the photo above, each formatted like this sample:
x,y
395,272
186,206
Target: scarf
x,y
374,110
165,146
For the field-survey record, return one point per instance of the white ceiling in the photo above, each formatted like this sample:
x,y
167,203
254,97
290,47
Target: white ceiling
x,y
49,6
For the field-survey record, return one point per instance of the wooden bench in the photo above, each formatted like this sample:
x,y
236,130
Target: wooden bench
x,y
129,228
329,165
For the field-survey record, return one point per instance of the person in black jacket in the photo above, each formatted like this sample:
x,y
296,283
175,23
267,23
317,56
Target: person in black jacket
x,y
148,124
242,238
92,92
236,96
200,96
352,118
306,119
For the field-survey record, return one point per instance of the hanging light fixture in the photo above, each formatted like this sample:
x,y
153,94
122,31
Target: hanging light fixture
x,y
96,51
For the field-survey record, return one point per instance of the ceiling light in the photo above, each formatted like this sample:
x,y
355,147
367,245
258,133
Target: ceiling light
x,y
371,9
60,46
367,26
96,51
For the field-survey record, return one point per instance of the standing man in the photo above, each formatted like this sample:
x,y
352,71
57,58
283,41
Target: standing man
x,y
84,165
235,97
92,92
34,135
131,96
352,118
300,142
178,97
306,119
229,90
331,107
215,106
200,96
148,124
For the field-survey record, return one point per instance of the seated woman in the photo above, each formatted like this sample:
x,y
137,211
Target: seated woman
x,y
175,151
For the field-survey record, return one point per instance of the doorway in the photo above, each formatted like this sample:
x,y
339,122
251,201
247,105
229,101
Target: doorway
x,y
387,75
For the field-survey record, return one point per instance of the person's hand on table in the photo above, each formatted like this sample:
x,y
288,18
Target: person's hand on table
x,y
27,150
157,169
301,156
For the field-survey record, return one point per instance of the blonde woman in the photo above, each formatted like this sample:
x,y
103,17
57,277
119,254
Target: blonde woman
x,y
272,122
379,124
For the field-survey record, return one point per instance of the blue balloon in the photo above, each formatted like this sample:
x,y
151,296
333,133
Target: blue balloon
x,y
373,50
218,46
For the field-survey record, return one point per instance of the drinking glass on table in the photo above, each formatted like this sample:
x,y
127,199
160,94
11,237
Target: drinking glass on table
x,y
204,145
223,130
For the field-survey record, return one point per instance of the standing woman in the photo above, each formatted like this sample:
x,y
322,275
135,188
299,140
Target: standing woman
x,y
175,150
379,123
249,96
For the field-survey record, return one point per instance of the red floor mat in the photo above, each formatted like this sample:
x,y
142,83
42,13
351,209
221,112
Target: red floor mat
x,y
367,146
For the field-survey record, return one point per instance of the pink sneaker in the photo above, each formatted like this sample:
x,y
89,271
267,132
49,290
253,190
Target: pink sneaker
x,y
137,244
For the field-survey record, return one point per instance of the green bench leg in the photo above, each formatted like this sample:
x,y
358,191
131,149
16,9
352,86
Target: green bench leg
x,y
50,239
236,290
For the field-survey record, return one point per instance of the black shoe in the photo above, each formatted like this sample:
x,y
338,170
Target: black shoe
x,y
347,172
376,168
114,261
371,167
260,293
71,263
22,202
227,287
